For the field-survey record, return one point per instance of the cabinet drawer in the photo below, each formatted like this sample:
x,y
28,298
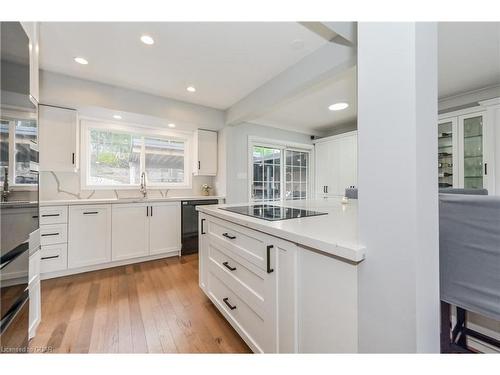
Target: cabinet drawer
x,y
248,244
53,215
245,320
244,278
53,234
53,258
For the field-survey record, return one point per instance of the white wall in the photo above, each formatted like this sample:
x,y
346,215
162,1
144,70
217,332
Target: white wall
x,y
237,155
398,217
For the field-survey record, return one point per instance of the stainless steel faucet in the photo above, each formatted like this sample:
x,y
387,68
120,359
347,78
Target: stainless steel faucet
x,y
5,190
143,189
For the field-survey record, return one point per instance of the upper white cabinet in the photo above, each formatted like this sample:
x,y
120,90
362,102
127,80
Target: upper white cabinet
x,y
140,230
464,158
205,153
32,30
89,237
336,164
59,139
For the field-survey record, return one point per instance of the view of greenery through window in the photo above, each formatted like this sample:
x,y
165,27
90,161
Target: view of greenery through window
x,y
115,159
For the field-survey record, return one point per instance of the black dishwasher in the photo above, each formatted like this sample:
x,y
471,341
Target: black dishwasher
x,y
190,224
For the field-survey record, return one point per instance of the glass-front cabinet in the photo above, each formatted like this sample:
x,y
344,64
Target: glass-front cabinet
x,y
462,160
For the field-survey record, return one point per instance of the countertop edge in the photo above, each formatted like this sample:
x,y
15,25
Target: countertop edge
x,y
74,202
352,253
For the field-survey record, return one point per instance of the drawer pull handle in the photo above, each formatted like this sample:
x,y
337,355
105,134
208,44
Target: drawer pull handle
x,y
228,304
229,236
50,215
50,234
202,226
51,257
226,264
91,213
268,256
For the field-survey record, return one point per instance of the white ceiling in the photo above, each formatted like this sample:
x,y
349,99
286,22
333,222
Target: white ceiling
x,y
224,61
469,56
309,111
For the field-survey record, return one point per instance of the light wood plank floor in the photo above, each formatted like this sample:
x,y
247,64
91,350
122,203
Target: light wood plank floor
x,y
150,307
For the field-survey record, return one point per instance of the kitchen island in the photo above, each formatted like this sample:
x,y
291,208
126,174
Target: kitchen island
x,y
286,286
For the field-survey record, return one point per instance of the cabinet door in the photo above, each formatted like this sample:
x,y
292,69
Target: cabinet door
x,y
202,252
130,231
32,30
58,137
448,153
348,166
472,163
89,240
322,168
206,148
164,227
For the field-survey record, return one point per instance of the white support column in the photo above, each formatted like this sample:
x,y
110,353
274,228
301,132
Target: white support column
x,y
398,196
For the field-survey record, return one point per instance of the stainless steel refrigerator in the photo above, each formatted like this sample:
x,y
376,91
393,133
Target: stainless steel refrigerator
x,y
19,206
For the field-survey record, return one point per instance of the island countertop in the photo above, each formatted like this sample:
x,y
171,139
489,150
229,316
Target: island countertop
x,y
62,202
335,233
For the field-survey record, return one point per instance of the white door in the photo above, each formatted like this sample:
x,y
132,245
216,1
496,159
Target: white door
x,y
164,227
58,139
129,231
207,153
89,240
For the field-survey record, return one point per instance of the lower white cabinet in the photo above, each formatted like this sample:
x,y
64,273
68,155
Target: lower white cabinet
x,y
141,229
278,296
89,237
35,305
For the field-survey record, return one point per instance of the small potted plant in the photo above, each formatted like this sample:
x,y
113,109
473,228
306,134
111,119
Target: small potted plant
x,y
205,189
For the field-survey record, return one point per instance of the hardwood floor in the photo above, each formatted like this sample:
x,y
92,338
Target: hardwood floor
x,y
150,307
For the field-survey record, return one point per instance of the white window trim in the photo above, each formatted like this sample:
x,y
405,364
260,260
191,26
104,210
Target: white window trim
x,y
282,145
90,123
12,151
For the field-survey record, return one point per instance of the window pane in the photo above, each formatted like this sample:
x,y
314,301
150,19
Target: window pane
x,y
4,148
164,161
26,141
266,173
297,166
114,158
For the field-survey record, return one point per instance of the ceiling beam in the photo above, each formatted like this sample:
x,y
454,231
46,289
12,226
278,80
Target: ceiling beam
x,y
324,63
344,33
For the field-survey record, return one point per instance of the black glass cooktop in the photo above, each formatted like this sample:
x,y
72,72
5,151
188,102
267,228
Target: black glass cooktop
x,y
272,213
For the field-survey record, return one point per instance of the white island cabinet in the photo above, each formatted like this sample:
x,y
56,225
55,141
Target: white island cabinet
x,y
279,296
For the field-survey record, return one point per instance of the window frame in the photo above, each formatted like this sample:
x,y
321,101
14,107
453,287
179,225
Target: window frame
x,y
12,115
283,146
87,124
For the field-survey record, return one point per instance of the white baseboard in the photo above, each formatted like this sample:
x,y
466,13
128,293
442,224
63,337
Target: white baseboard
x,y
96,267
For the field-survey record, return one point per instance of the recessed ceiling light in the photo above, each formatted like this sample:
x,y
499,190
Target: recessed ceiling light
x,y
338,106
171,125
118,117
191,89
81,60
146,39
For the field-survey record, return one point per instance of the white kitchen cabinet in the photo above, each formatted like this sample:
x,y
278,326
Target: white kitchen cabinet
x,y
205,153
130,232
35,307
164,227
336,164
58,139
32,30
278,296
89,237
141,229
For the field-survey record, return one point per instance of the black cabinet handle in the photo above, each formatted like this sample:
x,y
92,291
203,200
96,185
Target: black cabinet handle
x,y
229,236
268,258
73,158
91,213
226,264
51,257
50,215
228,304
199,164
50,234
326,187
151,210
147,210
202,226
485,169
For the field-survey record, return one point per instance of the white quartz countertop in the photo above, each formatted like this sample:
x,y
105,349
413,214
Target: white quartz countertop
x,y
335,233
63,202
